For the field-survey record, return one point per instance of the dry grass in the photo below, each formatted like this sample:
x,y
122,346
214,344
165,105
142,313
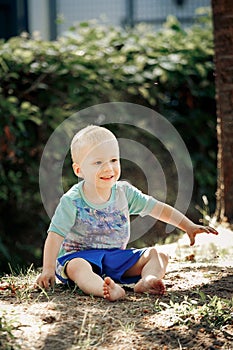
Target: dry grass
x,y
196,313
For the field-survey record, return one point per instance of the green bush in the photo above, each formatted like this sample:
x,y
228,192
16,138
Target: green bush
x,y
43,83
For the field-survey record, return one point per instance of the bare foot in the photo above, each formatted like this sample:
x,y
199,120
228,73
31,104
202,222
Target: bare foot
x,y
111,290
150,285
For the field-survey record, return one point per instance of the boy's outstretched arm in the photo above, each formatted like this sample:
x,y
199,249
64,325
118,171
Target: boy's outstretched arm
x,y
51,248
166,213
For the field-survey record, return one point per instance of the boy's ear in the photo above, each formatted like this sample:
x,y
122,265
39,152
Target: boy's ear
x,y
76,169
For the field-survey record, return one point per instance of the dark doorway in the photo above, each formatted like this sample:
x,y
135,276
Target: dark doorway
x,y
13,18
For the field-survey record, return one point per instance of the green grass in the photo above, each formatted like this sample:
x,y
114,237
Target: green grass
x,y
21,284
205,310
93,322
7,338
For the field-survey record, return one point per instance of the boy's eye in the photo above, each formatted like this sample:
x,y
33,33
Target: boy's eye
x,y
114,160
98,162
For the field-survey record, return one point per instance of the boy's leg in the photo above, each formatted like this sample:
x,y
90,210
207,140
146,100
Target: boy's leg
x,y
152,267
80,271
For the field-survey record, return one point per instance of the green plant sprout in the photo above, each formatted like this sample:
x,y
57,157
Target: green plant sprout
x,y
211,311
21,284
7,338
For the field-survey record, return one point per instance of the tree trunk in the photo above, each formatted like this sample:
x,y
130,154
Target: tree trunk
x,y
223,40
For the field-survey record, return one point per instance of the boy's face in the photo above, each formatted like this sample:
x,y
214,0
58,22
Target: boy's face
x,y
99,164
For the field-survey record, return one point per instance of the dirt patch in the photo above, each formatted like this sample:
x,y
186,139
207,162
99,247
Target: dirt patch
x,y
196,313
66,319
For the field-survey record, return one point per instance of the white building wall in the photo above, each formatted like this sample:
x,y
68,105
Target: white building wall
x,y
112,12
160,9
38,18
73,11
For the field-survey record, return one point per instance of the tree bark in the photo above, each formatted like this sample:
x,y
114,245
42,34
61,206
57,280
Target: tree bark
x,y
223,41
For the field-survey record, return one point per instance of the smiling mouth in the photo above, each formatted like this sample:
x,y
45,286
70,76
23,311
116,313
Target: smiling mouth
x,y
107,177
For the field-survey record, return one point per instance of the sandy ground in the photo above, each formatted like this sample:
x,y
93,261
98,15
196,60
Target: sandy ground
x,y
191,316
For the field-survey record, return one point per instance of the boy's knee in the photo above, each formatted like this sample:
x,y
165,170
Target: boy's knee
x,y
151,253
77,264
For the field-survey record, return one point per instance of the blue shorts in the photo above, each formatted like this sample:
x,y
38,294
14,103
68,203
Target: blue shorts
x,y
105,262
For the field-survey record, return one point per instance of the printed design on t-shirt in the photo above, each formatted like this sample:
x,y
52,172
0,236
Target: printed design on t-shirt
x,y
70,245
97,228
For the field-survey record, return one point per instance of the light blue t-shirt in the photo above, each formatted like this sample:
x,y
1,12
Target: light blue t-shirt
x,y
90,226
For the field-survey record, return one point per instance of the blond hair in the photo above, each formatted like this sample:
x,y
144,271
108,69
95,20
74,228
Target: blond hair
x,y
89,136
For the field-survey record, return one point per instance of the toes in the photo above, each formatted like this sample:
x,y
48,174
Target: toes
x,y
112,291
155,287
160,288
107,281
106,286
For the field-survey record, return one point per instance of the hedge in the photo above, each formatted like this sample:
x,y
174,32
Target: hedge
x,y
43,83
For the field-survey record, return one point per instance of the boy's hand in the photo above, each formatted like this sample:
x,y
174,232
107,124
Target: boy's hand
x,y
46,279
195,229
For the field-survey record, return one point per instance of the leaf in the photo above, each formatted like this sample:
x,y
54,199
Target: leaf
x,y
38,121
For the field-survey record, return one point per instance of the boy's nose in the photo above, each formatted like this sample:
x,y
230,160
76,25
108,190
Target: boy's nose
x,y
107,166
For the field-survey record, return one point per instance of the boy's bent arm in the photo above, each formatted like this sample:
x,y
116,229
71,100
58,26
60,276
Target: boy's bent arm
x,y
170,215
51,249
